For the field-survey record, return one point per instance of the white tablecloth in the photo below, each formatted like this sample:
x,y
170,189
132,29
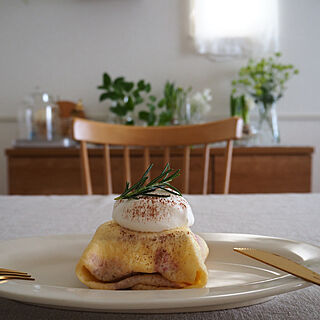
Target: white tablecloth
x,y
293,216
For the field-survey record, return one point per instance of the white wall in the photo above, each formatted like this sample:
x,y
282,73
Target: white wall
x,y
65,46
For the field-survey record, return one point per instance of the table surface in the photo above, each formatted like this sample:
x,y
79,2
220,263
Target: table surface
x,y
292,216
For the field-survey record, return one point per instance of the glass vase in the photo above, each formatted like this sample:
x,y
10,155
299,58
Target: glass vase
x,y
267,127
128,119
181,112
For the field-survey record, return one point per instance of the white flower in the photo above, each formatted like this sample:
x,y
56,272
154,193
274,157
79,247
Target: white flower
x,y
249,102
207,94
199,102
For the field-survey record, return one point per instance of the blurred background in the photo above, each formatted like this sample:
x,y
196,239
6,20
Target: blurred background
x,y
64,47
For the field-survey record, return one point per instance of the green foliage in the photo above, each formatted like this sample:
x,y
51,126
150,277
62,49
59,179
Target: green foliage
x,y
161,112
174,99
264,80
150,116
125,95
236,105
239,107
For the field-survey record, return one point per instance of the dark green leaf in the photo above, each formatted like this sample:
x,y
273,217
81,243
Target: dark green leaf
x,y
141,85
103,96
138,100
144,115
119,110
152,98
127,86
118,83
148,87
119,80
161,103
136,93
152,108
129,104
106,80
152,119
114,95
165,118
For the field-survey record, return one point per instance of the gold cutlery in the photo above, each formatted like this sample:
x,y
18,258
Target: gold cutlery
x,y
281,263
8,274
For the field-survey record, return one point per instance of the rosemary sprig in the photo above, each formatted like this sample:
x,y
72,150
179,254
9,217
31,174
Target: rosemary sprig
x,y
161,182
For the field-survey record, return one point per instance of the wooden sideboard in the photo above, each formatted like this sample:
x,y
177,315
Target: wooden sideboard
x,y
39,171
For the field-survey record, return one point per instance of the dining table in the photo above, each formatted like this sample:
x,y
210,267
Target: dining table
x,y
289,216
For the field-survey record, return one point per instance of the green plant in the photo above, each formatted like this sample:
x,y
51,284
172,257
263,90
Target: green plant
x,y
150,116
240,107
236,105
264,80
124,95
174,98
161,182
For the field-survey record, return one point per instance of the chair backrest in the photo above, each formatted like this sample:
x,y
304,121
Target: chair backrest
x,y
147,137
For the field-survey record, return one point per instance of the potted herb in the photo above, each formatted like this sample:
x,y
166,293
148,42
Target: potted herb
x,y
264,81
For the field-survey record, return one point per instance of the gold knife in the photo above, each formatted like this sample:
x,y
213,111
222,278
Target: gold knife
x,y
281,263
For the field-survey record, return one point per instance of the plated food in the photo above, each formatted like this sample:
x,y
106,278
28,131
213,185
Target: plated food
x,y
148,244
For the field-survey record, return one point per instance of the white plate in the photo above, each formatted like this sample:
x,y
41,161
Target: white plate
x,y
234,280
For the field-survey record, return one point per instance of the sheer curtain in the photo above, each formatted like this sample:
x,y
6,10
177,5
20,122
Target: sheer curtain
x,y
227,29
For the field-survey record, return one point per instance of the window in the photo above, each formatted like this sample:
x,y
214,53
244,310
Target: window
x,y
226,29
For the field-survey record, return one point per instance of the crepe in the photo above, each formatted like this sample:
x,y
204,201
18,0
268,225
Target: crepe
x,y
119,258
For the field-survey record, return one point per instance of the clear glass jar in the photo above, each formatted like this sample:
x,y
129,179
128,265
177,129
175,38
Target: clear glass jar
x,y
45,116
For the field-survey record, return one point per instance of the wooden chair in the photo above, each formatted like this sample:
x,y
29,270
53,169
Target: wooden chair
x,y
113,134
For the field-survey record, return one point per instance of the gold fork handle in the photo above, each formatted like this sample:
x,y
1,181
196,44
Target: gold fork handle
x,y
6,273
4,278
13,271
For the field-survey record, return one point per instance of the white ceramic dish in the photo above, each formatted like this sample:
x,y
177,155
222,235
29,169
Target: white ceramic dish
x,y
234,280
